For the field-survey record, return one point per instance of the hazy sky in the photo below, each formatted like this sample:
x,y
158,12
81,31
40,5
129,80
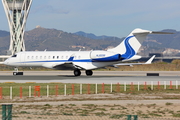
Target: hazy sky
x,y
102,17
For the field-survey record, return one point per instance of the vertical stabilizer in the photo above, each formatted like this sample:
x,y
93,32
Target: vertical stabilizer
x,y
131,44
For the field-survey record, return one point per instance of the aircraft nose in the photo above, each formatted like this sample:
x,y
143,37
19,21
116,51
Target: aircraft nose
x,y
6,62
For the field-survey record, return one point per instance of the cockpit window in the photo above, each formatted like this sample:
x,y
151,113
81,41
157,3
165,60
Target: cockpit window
x,y
14,55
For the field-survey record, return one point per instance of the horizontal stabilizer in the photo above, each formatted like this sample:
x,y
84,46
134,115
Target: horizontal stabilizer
x,y
154,32
141,31
131,64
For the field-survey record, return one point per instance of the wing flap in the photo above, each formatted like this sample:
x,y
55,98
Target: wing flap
x,y
65,66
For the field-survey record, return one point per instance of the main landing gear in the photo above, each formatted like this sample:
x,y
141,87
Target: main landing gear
x,y
77,72
89,72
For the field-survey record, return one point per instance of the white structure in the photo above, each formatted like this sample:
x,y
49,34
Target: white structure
x,y
17,12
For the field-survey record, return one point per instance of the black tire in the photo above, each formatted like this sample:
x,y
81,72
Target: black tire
x,y
17,73
77,72
14,73
89,72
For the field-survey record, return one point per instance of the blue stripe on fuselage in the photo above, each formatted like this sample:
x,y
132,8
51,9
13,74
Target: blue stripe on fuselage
x,y
85,60
105,59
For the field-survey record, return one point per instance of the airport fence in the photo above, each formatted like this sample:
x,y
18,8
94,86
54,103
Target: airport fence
x,y
29,90
36,91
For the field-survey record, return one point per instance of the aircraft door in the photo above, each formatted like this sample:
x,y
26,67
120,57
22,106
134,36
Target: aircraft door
x,y
22,59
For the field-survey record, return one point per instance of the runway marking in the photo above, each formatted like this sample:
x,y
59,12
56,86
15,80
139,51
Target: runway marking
x,y
55,82
30,82
9,82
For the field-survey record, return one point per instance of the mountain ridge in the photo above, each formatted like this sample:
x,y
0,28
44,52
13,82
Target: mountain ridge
x,y
92,36
57,40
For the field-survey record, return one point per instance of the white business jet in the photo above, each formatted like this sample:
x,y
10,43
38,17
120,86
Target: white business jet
x,y
85,60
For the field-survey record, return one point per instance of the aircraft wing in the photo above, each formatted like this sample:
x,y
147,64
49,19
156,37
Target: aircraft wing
x,y
64,66
131,64
68,65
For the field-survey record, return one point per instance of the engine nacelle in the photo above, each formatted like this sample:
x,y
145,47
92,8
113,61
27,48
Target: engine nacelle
x,y
104,56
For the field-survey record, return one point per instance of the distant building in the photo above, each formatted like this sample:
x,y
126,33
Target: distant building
x,y
74,46
38,26
170,51
157,54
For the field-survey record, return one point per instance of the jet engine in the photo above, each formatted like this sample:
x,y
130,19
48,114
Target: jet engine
x,y
104,56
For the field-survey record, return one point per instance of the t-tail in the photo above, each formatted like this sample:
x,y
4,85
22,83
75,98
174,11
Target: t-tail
x,y
129,47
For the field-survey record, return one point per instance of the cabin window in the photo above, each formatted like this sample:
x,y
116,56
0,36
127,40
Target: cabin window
x,y
27,57
40,57
14,55
32,57
79,57
36,57
66,57
49,57
57,57
61,57
53,57
44,57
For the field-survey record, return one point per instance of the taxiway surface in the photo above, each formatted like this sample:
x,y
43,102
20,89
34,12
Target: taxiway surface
x,y
99,77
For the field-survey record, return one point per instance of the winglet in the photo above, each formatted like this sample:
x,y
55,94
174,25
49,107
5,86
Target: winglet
x,y
70,58
150,60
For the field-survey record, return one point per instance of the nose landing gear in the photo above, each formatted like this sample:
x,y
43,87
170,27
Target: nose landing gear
x,y
17,72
